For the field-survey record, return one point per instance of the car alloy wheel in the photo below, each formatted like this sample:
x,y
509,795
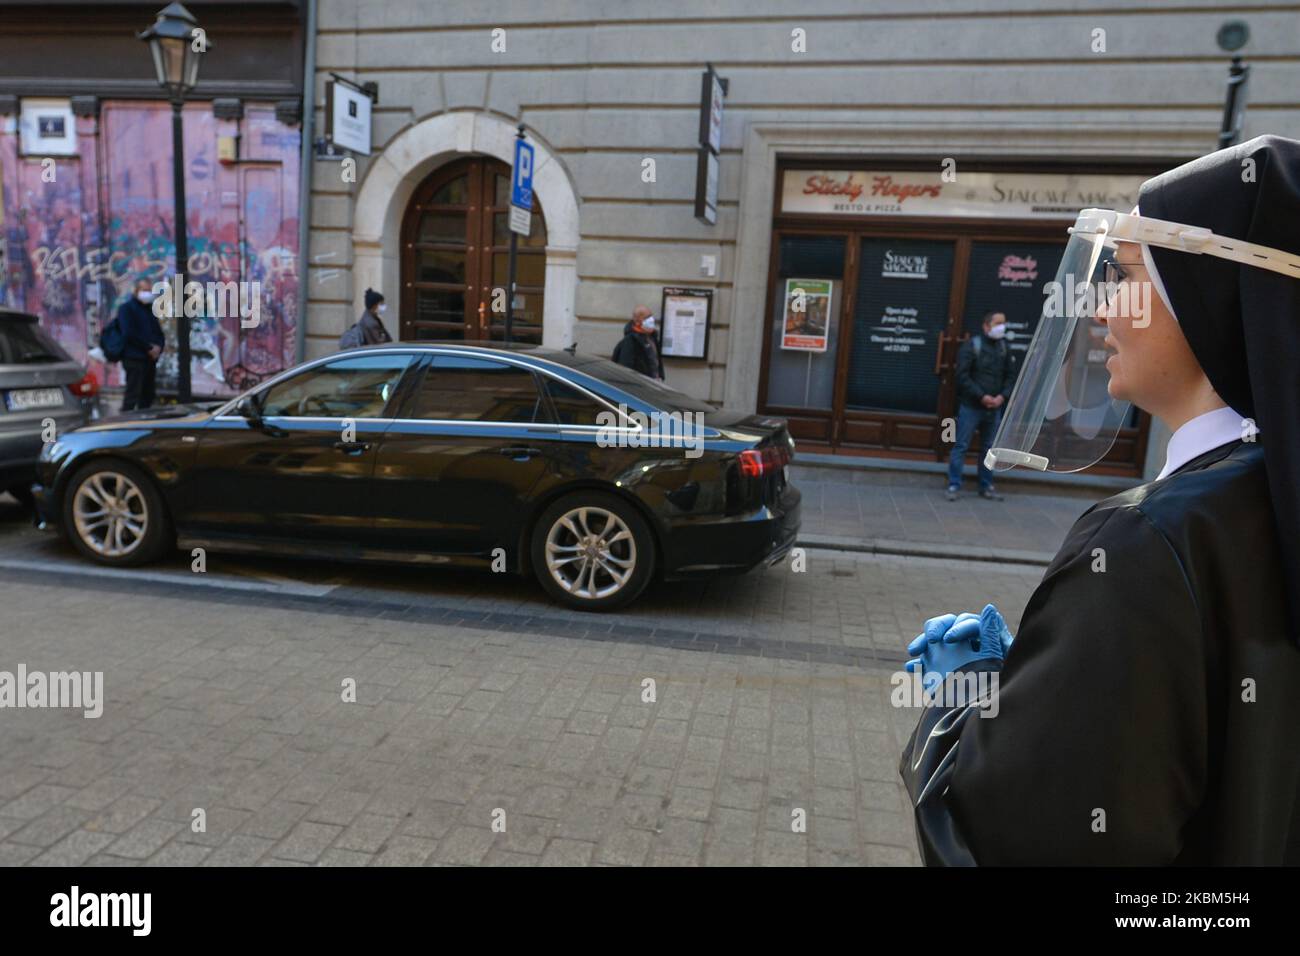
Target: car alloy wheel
x,y
111,514
591,553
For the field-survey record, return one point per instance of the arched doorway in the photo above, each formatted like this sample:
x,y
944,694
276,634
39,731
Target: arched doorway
x,y
455,254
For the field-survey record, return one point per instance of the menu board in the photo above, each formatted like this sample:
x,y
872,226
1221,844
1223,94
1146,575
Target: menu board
x,y
1009,277
685,322
901,309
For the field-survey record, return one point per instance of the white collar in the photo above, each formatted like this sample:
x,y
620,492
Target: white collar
x,y
1201,434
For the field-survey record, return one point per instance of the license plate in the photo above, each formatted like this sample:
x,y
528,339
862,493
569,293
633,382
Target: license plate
x,y
20,400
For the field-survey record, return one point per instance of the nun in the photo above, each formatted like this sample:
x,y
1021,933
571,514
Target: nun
x,y
1148,709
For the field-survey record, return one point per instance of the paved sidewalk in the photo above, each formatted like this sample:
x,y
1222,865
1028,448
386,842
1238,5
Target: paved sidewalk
x,y
236,709
907,513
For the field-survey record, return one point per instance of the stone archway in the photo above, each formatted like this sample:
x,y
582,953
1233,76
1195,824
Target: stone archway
x,y
405,162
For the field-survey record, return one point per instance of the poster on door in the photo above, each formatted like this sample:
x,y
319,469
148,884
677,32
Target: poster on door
x,y
807,315
1011,278
899,311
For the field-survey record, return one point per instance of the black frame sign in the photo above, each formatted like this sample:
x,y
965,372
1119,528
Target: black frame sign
x,y
706,187
688,322
713,90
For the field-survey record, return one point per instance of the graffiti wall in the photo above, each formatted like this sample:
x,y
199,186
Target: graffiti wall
x,y
76,232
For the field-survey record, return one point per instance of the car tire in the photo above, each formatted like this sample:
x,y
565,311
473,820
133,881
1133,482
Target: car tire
x,y
605,539
114,514
22,494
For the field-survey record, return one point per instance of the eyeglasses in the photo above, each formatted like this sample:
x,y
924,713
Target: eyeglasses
x,y
1115,271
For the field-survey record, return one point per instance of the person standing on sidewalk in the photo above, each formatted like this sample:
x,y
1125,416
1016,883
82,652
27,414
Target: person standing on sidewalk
x,y
144,341
985,373
638,350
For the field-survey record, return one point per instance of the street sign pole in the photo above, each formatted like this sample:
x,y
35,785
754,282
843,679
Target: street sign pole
x,y
521,204
510,282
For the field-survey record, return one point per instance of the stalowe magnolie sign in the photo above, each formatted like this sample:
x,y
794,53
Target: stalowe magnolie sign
x,y
982,195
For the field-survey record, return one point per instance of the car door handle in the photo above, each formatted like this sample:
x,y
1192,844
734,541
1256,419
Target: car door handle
x,y
519,452
352,447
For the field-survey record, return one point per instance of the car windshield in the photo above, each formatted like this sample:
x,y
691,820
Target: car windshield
x,y
639,386
24,342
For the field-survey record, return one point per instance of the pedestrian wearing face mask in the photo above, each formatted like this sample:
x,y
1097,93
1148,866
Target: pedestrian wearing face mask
x,y
369,329
372,326
638,349
143,343
985,374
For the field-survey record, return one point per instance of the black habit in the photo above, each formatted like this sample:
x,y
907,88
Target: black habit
x,y
1150,713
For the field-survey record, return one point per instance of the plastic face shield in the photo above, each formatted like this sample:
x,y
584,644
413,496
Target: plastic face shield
x,y
1061,416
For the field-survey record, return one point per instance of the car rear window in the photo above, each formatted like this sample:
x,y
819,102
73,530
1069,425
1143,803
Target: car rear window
x,y
572,406
647,389
24,342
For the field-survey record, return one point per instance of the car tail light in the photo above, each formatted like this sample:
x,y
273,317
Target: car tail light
x,y
757,462
86,386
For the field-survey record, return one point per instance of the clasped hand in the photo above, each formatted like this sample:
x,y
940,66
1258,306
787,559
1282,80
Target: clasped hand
x,y
953,641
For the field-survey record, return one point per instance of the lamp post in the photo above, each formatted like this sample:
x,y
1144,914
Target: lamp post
x,y
177,45
1232,36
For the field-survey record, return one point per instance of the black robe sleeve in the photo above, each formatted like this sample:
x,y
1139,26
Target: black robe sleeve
x,y
1098,751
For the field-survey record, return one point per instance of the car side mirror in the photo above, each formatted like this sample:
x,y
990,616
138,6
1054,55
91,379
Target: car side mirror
x,y
247,407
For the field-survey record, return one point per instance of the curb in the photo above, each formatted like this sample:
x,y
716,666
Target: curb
x,y
1048,482
915,549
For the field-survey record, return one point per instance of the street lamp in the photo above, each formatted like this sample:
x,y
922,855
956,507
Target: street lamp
x,y
1232,36
177,44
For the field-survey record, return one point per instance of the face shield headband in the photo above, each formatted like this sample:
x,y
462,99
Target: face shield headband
x,y
1061,416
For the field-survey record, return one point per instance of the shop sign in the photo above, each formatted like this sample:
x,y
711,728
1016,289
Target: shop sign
x,y
970,194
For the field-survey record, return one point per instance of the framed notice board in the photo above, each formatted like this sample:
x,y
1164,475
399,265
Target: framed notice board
x,y
684,326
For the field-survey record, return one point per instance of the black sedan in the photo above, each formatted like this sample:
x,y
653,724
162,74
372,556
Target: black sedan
x,y
508,458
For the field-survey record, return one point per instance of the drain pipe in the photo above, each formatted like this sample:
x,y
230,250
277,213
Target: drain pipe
x,y
304,177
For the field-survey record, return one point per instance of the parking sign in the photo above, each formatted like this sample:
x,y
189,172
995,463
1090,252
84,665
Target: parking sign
x,y
521,192
521,189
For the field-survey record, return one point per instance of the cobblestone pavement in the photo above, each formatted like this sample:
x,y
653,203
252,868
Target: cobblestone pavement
x,y
475,697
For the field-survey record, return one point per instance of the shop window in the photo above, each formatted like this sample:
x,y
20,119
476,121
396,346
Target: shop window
x,y
801,371
901,309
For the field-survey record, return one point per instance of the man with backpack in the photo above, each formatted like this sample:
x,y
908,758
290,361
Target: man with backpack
x,y
369,329
135,337
986,372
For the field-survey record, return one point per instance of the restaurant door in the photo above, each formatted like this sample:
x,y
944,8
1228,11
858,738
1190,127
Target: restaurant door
x,y
878,375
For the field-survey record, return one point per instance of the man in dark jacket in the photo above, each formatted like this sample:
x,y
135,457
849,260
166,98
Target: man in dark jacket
x,y
638,350
985,373
372,326
144,342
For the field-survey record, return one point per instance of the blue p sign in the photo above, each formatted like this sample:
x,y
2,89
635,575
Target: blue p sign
x,y
521,189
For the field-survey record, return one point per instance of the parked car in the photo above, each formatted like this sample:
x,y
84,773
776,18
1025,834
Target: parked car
x,y
503,457
39,384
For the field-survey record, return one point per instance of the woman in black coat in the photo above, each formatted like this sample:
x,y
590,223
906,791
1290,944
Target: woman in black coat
x,y
1147,712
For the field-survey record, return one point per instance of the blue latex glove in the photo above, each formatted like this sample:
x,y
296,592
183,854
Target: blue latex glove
x,y
952,641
